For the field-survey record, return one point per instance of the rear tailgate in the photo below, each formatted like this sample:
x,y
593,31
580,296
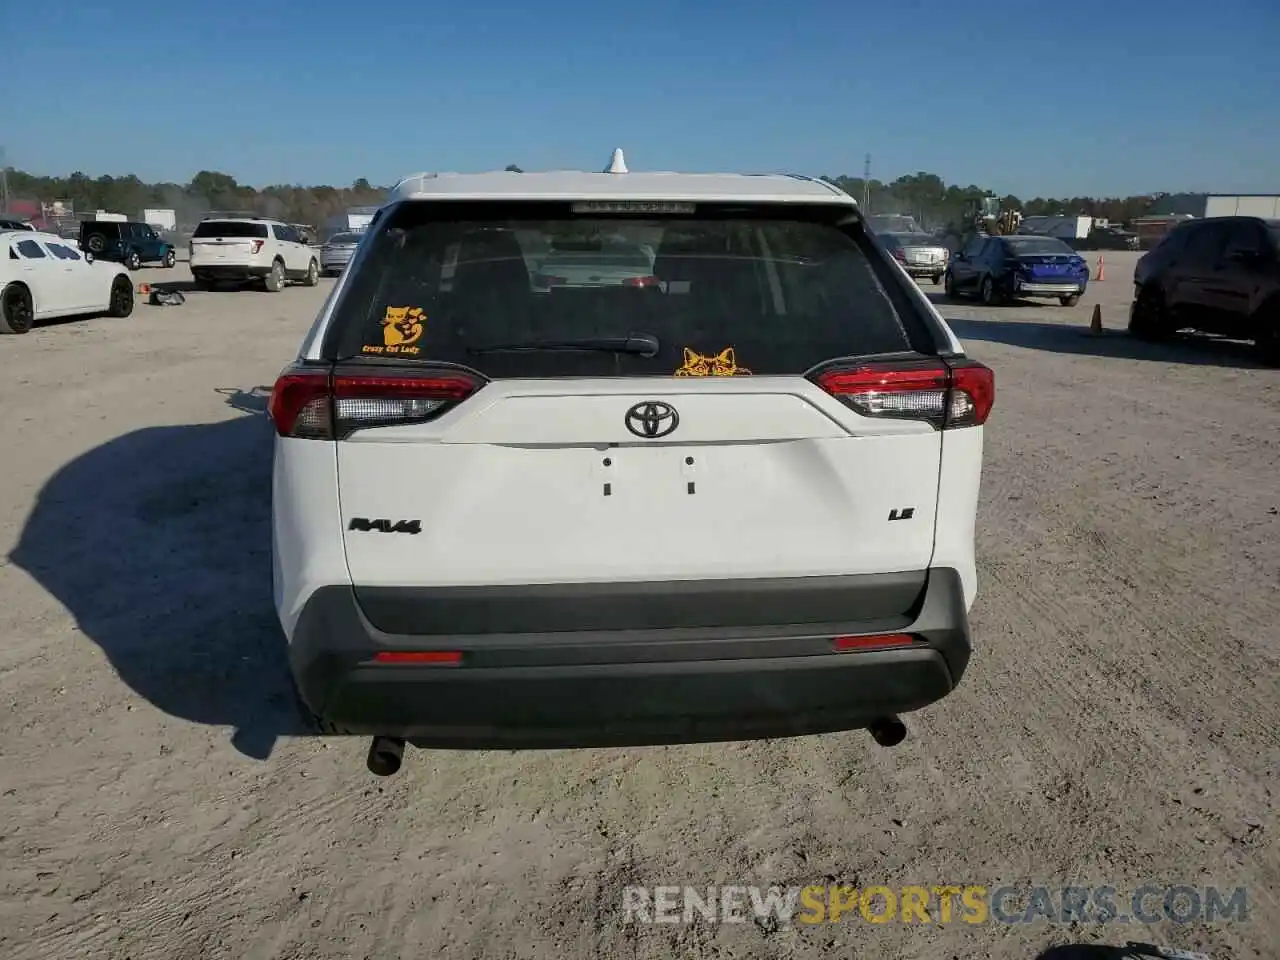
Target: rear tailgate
x,y
533,481
925,256
229,242
789,424
1049,267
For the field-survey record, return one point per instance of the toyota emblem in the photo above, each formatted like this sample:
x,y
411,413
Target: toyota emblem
x,y
652,419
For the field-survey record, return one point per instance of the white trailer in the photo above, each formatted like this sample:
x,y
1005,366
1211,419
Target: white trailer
x,y
353,221
1247,205
1064,228
161,219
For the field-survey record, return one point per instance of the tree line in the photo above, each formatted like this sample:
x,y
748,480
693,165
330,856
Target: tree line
x,y
933,202
925,196
208,190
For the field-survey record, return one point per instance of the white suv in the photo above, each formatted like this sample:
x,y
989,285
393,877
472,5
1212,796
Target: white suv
x,y
731,497
237,250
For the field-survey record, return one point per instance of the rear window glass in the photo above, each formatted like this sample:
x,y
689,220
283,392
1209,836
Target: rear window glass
x,y
892,223
62,253
229,228
345,238
725,291
1036,245
604,257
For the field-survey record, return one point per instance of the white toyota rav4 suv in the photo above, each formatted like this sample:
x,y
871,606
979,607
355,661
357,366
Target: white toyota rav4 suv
x,y
238,250
731,496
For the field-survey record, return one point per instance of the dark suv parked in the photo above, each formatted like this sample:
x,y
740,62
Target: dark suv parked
x,y
1218,275
127,242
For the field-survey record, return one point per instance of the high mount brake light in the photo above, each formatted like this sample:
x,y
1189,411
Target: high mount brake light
x,y
872,641
640,282
947,394
319,405
439,658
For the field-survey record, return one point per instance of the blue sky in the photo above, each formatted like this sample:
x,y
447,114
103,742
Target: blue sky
x,y
1029,97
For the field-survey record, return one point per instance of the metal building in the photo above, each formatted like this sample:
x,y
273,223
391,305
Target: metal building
x,y
1242,205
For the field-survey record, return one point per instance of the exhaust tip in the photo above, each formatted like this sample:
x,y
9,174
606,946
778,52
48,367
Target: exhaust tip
x,y
888,731
385,756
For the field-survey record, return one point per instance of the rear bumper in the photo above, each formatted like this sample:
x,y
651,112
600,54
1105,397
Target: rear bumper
x,y
226,271
925,269
1047,288
657,673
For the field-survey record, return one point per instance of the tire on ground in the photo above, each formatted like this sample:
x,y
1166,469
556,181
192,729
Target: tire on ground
x,y
17,312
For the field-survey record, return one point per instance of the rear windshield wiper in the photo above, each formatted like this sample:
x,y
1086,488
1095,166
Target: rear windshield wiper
x,y
641,344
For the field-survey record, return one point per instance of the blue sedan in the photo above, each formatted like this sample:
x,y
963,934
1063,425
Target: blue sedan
x,y
998,269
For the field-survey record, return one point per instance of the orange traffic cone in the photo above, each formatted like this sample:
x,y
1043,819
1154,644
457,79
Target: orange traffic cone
x,y
1102,268
143,289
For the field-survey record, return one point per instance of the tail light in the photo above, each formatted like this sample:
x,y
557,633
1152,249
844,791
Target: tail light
x,y
877,641
437,658
640,282
900,255
324,405
257,246
947,394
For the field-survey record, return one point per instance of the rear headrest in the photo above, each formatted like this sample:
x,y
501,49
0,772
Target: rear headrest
x,y
490,245
691,257
491,257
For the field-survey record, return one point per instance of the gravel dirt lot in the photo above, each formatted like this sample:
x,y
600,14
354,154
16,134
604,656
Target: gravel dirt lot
x,y
1119,723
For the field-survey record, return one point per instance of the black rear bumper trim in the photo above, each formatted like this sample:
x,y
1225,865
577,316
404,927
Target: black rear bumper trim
x,y
662,605
632,686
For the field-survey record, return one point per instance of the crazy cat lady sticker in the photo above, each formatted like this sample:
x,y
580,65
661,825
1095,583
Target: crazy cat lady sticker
x,y
722,364
401,329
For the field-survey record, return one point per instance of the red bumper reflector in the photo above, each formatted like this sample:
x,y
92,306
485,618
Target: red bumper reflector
x,y
436,657
873,642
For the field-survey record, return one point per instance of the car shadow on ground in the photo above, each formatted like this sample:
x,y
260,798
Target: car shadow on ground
x,y
939,299
1080,951
175,286
159,544
190,286
51,323
1187,348
1061,338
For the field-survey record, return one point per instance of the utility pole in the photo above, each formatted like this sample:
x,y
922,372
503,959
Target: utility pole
x,y
4,180
866,186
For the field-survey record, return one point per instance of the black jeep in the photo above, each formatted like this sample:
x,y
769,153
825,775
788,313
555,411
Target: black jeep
x,y
126,241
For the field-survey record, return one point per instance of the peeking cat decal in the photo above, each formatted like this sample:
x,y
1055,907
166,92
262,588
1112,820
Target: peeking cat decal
x,y
722,364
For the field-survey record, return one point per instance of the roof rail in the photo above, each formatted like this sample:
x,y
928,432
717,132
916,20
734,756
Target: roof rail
x,y
826,183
